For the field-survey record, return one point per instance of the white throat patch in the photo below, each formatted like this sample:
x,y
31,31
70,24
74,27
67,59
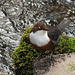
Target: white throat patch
x,y
39,38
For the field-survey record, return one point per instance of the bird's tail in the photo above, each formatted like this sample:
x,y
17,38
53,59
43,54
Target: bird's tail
x,y
63,24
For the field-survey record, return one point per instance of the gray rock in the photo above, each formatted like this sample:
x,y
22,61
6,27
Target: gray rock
x,y
9,41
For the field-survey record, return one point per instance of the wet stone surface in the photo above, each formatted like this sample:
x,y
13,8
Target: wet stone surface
x,y
17,15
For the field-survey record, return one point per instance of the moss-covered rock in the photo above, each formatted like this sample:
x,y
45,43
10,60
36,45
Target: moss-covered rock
x,y
25,54
66,45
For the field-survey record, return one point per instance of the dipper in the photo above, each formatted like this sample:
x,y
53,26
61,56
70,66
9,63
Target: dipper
x,y
44,37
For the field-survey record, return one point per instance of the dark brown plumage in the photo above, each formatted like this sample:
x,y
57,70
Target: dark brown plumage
x,y
53,33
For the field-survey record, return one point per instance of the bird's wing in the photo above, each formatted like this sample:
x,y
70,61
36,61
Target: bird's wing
x,y
54,33
56,41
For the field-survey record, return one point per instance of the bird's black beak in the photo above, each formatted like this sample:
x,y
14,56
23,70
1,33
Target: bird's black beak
x,y
46,29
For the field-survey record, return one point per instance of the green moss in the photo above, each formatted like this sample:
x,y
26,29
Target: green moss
x,y
25,54
66,45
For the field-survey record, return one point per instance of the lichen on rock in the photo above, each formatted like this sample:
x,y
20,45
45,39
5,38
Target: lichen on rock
x,y
25,54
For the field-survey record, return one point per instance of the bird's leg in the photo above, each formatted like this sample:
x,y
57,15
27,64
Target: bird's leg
x,y
38,58
51,56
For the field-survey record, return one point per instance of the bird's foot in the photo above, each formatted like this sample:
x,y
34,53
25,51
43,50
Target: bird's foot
x,y
38,58
51,57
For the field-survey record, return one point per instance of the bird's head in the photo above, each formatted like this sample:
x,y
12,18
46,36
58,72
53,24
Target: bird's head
x,y
40,26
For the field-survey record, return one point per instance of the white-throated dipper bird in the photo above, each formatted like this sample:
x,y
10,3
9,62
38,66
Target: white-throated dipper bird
x,y
45,37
